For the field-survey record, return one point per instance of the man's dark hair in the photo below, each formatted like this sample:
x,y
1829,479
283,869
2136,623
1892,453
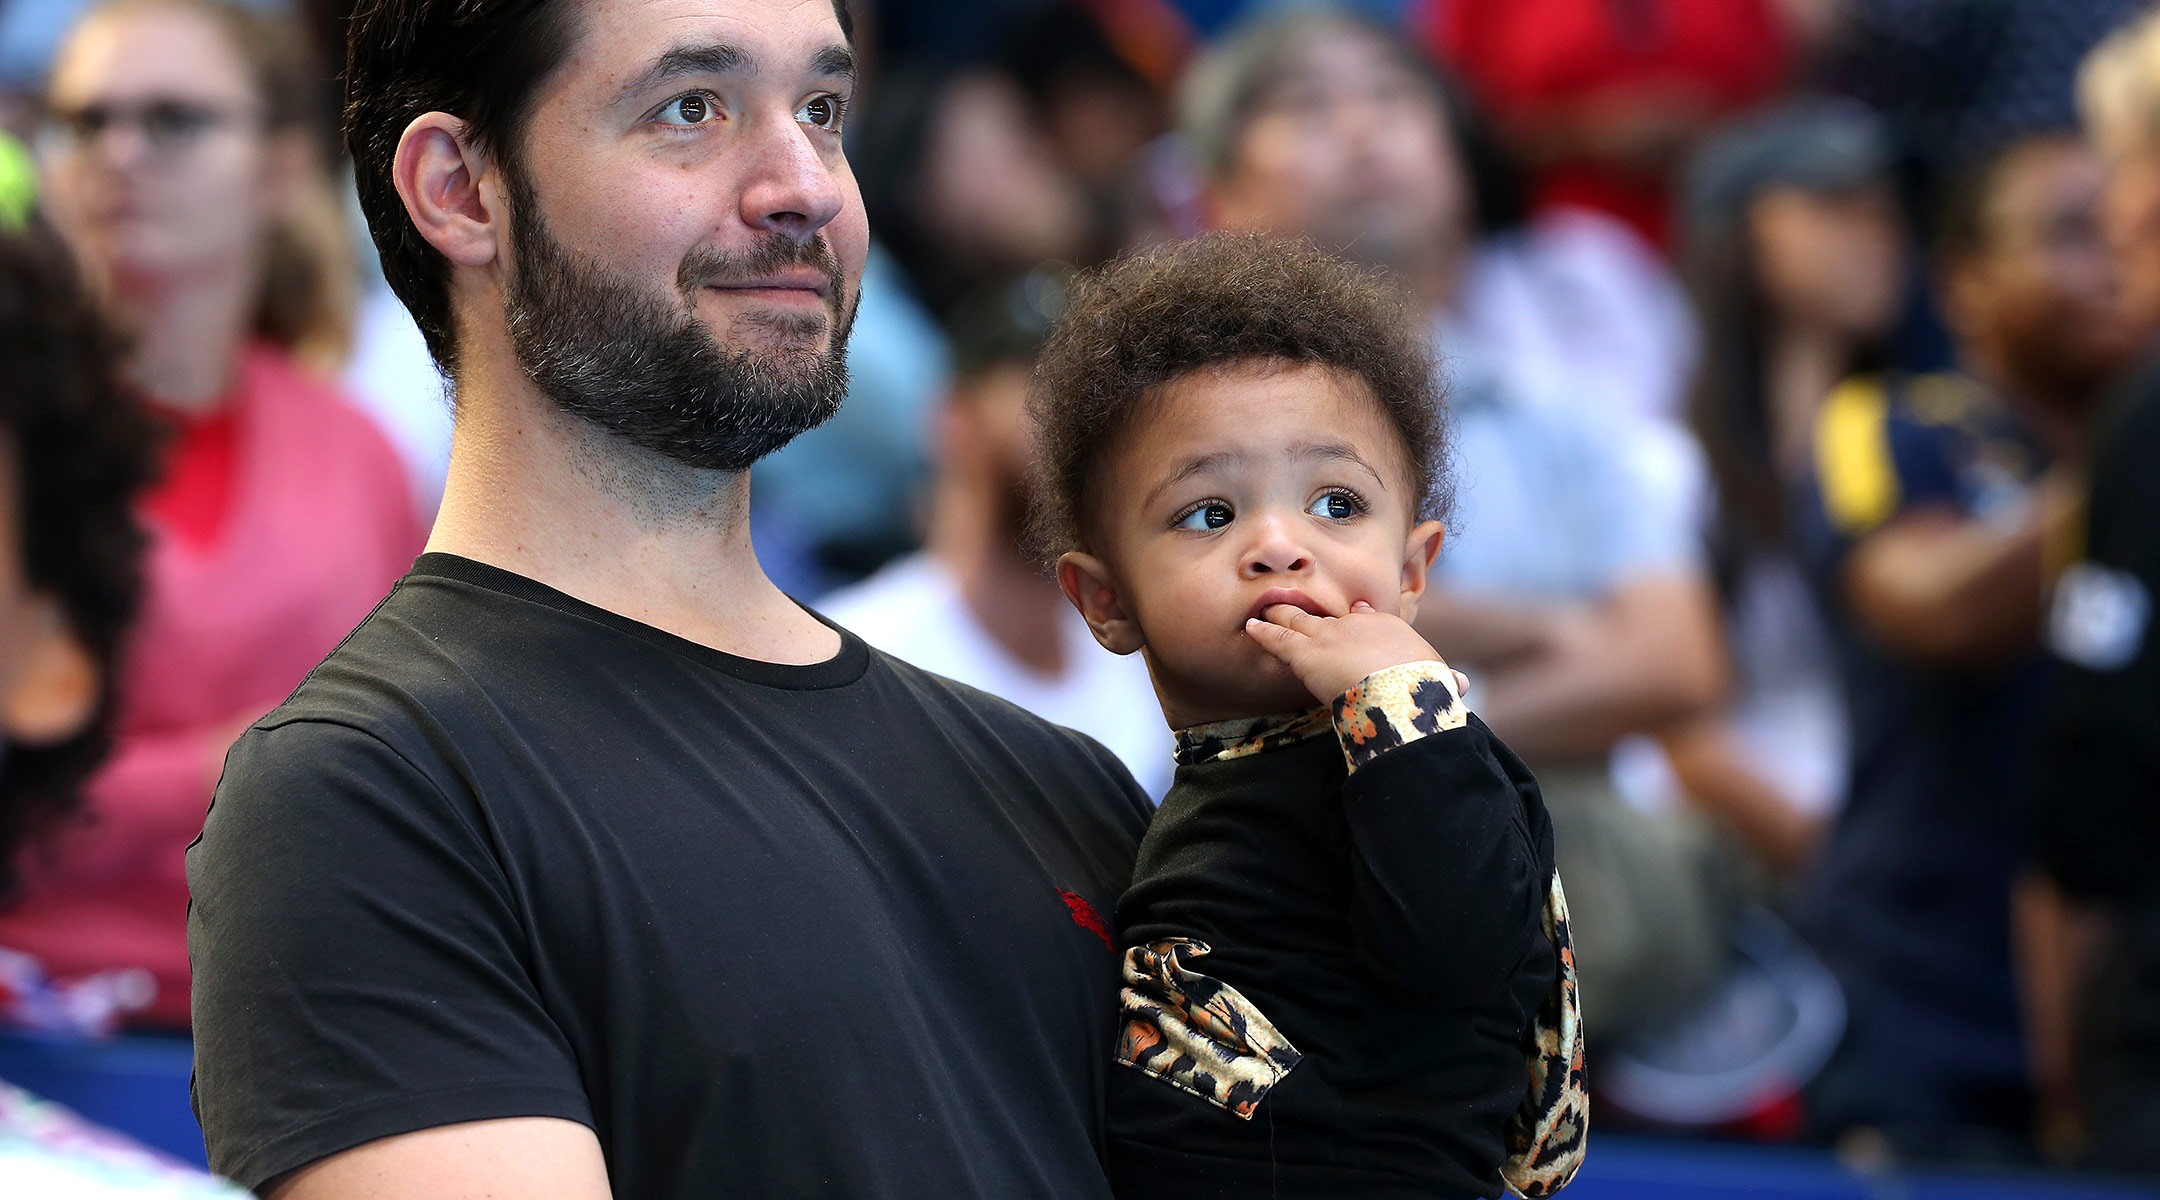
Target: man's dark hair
x,y
481,61
82,450
1146,320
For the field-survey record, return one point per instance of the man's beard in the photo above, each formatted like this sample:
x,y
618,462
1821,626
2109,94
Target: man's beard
x,y
650,372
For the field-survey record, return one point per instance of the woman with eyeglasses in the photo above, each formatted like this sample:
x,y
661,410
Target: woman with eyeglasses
x,y
181,160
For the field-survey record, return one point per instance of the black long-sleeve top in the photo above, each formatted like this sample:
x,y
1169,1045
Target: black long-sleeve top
x,y
1340,953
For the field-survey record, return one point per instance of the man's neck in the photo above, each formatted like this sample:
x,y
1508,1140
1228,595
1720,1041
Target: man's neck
x,y
538,492
1016,603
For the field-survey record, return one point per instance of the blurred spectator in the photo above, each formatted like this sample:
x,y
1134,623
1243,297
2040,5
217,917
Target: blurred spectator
x,y
976,605
1571,587
1604,98
179,153
964,186
1795,254
1956,79
1601,101
1939,505
76,453
2094,997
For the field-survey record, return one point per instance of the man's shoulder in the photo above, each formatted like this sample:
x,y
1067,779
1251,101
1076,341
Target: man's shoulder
x,y
997,725
943,694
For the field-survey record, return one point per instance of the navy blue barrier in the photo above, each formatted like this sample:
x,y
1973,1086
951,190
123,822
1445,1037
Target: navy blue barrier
x,y
136,1084
1637,1168
139,1086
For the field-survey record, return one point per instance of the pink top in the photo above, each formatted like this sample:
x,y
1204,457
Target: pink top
x,y
318,525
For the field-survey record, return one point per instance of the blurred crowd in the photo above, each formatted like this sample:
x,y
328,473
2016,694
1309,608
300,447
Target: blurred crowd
x,y
1801,396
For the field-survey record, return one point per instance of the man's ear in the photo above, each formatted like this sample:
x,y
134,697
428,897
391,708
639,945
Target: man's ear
x,y
53,692
1086,581
439,177
1419,551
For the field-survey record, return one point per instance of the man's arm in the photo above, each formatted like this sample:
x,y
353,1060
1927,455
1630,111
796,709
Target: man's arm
x,y
361,968
1644,656
1939,588
510,1159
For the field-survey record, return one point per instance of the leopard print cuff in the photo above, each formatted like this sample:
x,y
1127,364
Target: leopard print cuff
x,y
1395,706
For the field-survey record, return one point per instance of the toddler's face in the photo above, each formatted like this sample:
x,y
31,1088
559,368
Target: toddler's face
x,y
1247,486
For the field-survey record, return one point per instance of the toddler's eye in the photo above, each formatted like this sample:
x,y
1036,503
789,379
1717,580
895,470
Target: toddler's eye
x,y
1339,506
1212,515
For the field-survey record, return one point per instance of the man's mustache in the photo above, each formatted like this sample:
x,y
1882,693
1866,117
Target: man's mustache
x,y
707,266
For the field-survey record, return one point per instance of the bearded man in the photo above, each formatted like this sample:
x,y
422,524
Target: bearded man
x,y
591,864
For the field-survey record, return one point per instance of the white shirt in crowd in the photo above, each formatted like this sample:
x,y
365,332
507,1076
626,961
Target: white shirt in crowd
x,y
913,610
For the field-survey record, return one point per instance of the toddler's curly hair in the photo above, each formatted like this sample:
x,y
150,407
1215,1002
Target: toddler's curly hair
x,y
1147,319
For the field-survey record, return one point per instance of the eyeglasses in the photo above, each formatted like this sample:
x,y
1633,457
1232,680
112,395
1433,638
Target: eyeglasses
x,y
169,127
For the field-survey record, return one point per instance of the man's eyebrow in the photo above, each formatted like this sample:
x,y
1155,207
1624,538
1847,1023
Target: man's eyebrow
x,y
1337,452
721,58
834,60
701,58
1200,465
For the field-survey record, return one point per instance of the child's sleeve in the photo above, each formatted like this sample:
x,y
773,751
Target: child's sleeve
x,y
1450,848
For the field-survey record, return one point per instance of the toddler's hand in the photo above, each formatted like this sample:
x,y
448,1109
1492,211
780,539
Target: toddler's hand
x,y
1329,654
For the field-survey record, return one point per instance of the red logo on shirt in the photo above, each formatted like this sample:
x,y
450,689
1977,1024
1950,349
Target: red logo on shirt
x,y
1085,916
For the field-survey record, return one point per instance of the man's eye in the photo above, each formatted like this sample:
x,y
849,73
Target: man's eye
x,y
1339,506
694,108
825,112
1212,515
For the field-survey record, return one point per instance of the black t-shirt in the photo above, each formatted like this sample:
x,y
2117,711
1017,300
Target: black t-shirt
x,y
1387,923
768,930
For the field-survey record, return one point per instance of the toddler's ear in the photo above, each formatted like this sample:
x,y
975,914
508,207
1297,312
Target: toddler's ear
x,y
1419,550
1086,581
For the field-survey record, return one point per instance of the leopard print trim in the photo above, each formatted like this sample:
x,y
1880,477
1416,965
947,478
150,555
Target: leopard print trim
x,y
1196,1033
1248,735
1545,1138
1395,706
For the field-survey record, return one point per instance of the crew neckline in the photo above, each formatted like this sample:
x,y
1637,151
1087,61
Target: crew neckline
x,y
844,667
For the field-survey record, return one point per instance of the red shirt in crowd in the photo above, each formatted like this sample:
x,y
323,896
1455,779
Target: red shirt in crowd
x,y
281,518
1618,71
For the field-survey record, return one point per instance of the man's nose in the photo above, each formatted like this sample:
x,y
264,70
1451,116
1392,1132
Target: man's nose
x,y
1275,549
792,189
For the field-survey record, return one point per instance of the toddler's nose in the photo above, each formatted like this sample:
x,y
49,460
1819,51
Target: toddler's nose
x,y
1275,551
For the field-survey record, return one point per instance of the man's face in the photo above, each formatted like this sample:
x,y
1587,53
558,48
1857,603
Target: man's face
x,y
2043,294
1349,147
688,239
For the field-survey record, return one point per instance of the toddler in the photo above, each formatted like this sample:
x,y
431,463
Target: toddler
x,y
1344,940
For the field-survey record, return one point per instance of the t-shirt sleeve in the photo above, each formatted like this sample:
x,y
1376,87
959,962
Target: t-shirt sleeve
x,y
359,959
